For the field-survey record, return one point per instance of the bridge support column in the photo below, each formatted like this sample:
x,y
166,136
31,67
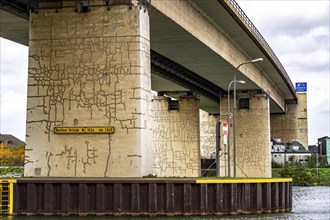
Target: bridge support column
x,y
207,134
253,157
176,137
293,124
89,68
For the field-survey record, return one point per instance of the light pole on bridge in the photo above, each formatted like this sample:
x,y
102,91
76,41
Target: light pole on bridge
x,y
234,115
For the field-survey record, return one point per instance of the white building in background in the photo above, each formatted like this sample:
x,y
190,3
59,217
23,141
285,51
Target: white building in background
x,y
289,153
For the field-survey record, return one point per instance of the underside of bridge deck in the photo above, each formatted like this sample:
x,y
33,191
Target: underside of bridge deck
x,y
189,46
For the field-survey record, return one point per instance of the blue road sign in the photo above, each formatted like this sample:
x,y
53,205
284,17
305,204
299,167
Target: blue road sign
x,y
301,87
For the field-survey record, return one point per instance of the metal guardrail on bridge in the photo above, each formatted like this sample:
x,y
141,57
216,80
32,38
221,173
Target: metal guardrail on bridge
x,y
237,10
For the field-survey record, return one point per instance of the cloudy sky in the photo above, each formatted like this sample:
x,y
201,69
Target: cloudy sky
x,y
13,88
297,31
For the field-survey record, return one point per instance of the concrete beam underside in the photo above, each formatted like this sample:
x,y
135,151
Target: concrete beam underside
x,y
190,19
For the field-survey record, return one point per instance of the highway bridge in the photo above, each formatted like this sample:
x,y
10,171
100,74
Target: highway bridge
x,y
192,46
196,56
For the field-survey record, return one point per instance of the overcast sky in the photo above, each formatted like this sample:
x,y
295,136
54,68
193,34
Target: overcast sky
x,y
297,31
13,90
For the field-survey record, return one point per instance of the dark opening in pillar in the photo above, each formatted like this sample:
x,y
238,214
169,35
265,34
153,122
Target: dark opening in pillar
x,y
173,105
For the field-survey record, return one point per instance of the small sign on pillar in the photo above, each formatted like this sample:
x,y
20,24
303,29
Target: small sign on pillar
x,y
225,132
301,86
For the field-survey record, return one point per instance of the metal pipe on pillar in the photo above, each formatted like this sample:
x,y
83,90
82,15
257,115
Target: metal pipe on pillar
x,y
217,154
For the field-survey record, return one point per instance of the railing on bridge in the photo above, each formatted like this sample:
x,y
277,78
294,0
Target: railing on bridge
x,y
235,8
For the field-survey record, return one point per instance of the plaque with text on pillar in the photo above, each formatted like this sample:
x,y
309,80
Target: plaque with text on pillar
x,y
85,130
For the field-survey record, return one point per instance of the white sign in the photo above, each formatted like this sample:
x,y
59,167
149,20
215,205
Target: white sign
x,y
225,139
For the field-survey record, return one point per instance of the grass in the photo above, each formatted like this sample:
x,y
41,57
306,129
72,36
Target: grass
x,y
323,175
322,179
304,175
11,169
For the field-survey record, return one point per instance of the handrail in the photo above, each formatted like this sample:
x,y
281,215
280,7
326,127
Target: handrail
x,y
7,196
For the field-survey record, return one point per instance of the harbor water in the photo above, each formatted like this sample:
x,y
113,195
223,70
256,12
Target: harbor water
x,y
308,203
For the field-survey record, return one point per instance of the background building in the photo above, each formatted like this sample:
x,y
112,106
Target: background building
x,y
324,147
10,141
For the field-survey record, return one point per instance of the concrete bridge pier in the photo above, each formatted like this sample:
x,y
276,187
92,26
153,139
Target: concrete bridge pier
x,y
176,137
252,136
292,125
89,68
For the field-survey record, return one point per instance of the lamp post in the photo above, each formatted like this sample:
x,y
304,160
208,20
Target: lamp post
x,y
234,114
228,119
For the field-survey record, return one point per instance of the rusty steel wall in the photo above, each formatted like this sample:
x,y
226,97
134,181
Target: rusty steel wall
x,y
148,197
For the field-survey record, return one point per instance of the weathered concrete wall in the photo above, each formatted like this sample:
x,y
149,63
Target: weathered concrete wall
x,y
89,69
302,119
293,125
176,144
253,157
207,133
284,126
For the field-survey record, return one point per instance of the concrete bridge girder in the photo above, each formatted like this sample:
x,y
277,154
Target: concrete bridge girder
x,y
208,50
13,27
204,47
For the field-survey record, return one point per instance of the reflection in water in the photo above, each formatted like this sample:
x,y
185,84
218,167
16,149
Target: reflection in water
x,y
308,203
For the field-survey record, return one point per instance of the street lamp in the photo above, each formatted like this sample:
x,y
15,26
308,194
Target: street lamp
x,y
234,127
228,119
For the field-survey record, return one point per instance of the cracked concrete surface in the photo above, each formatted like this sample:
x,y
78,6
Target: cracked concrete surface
x,y
90,69
176,138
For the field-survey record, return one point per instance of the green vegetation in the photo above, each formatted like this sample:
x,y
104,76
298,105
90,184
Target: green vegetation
x,y
5,170
321,159
209,173
150,176
301,175
304,176
12,156
323,176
